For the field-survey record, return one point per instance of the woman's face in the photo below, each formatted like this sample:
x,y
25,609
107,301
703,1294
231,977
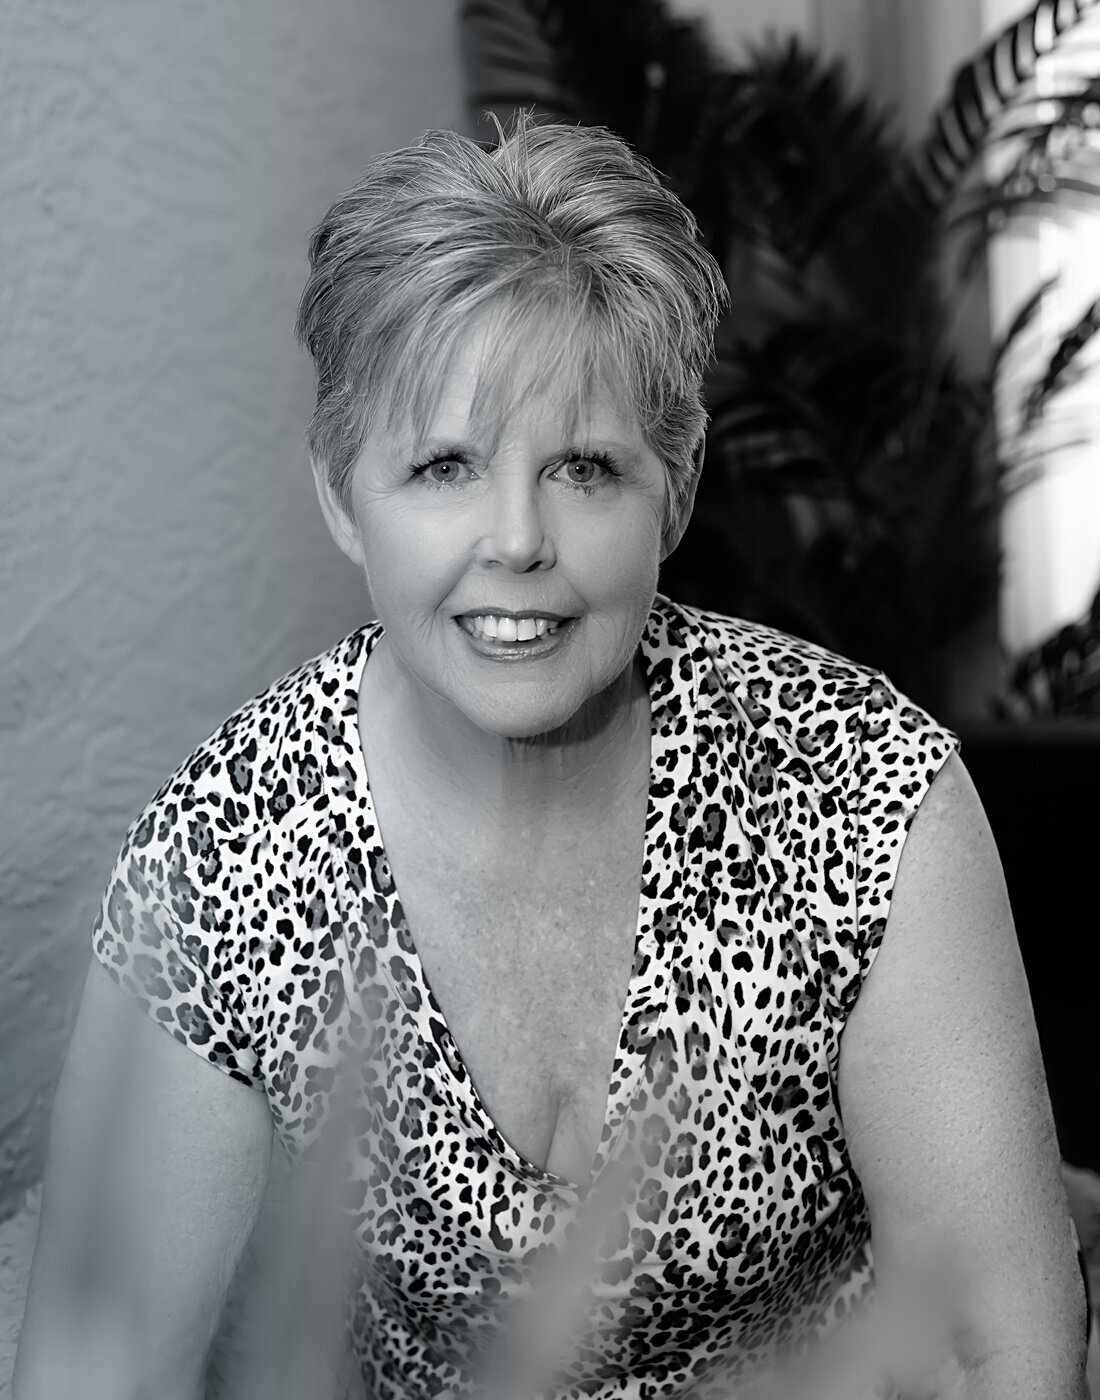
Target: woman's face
x,y
513,584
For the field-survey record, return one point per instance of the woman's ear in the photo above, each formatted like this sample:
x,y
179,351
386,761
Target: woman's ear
x,y
341,526
674,532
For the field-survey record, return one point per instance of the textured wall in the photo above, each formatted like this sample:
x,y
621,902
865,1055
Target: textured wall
x,y
162,556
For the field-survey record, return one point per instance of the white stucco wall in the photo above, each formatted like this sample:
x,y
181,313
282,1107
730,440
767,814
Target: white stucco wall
x,y
162,556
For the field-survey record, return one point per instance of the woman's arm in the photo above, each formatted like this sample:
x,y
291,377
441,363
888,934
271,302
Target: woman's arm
x,y
949,1126
155,1174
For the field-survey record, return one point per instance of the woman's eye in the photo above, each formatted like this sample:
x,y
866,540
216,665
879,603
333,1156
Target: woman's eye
x,y
444,471
586,471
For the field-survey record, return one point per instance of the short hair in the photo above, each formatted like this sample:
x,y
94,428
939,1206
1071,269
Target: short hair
x,y
562,234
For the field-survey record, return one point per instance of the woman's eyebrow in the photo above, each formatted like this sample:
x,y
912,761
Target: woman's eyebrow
x,y
579,442
437,445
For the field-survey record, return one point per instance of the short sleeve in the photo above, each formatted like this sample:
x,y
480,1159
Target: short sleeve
x,y
161,933
901,748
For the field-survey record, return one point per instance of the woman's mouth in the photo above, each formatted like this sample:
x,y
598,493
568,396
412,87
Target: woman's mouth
x,y
495,627
499,635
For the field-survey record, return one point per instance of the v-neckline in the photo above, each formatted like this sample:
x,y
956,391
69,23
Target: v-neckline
x,y
671,757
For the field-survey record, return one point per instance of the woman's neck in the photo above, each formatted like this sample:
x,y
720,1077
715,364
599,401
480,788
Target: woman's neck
x,y
579,770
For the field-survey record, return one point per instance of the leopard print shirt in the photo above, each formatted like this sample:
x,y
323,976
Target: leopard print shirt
x,y
252,913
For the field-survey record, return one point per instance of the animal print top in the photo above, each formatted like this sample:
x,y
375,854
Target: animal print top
x,y
253,914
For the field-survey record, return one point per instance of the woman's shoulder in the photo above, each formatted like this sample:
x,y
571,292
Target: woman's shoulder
x,y
818,707
832,758
182,918
776,669
263,764
758,649
213,851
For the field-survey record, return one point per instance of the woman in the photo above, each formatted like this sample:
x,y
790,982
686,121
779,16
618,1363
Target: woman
x,y
604,880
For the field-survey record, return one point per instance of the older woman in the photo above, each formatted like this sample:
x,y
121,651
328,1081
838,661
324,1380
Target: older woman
x,y
619,891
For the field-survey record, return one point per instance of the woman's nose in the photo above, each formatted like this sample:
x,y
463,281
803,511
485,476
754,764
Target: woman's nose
x,y
516,534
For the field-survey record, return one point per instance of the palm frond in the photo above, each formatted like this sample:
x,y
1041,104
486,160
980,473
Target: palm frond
x,y
1060,364
817,165
993,209
1021,322
1062,113
1015,198
1060,677
810,151
980,90
834,383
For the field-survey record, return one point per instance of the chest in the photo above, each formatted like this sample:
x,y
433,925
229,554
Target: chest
x,y
527,944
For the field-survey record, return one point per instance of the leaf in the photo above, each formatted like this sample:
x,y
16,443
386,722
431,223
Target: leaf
x,y
818,154
818,167
1020,323
1060,363
1035,117
980,90
827,397
1059,677
997,204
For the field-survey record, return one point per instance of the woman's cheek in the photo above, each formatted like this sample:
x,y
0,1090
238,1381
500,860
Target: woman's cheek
x,y
630,563
623,541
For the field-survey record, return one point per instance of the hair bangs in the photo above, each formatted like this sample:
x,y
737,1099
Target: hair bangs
x,y
546,346
533,344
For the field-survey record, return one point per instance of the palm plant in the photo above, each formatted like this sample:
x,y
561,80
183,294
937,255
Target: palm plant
x,y
855,471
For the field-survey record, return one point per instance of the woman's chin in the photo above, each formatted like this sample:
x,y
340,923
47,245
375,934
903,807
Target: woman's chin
x,y
531,713
520,721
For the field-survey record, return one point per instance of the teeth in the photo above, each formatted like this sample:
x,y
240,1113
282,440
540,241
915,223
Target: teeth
x,y
509,629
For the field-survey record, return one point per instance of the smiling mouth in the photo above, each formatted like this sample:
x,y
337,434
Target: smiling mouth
x,y
511,628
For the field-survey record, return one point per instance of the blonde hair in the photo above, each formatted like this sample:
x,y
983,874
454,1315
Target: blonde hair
x,y
591,269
